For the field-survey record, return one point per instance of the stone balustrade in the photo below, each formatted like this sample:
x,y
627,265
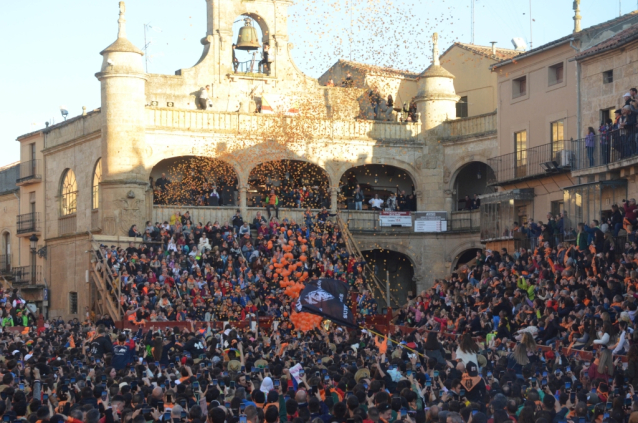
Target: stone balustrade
x,y
245,123
472,126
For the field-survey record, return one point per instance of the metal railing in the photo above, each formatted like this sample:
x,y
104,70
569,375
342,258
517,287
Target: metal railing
x,y
531,162
31,275
252,66
605,148
5,264
29,171
29,222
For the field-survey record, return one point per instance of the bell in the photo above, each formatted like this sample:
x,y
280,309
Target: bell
x,y
247,39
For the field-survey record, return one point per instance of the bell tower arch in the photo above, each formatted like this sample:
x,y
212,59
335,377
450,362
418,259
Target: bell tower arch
x,y
271,16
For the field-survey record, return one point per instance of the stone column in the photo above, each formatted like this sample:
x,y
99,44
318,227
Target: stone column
x,y
243,201
334,198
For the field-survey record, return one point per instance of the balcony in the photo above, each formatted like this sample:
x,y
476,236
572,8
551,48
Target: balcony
x,y
465,221
27,275
5,264
253,124
606,151
535,162
30,173
28,224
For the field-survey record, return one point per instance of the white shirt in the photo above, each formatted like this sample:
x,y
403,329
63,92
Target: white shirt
x,y
376,202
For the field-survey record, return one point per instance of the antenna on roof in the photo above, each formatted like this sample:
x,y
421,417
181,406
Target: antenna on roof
x,y
493,47
472,22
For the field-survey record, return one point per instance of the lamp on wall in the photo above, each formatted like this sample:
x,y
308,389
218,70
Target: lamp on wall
x,y
34,243
42,252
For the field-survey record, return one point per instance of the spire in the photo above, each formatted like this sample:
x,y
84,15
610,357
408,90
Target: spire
x,y
577,16
121,22
122,44
435,49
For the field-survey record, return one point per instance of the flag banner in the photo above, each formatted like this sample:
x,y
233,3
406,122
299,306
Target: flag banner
x,y
326,298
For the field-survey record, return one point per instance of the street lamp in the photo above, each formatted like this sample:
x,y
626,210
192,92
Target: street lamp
x,y
34,243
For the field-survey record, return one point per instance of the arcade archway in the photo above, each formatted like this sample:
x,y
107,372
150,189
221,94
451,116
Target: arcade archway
x,y
471,180
291,180
381,180
400,270
194,181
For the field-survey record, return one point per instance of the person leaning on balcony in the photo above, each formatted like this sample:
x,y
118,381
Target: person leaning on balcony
x,y
590,143
376,203
358,198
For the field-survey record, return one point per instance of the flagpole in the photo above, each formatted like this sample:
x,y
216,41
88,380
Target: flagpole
x,y
392,340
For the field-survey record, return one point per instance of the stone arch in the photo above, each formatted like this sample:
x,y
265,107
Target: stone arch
x,y
381,179
193,172
287,174
468,171
68,193
456,253
288,155
402,277
260,21
152,166
95,184
409,168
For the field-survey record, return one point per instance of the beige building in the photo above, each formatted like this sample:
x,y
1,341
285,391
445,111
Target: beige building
x,y
537,118
608,176
96,171
474,82
9,251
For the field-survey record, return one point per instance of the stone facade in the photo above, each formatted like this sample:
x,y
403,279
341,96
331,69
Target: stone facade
x,y
145,119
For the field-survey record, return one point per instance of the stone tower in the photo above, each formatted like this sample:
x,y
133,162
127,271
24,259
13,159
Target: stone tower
x,y
124,180
436,98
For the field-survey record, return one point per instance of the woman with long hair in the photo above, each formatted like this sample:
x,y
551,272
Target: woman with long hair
x,y
603,366
467,349
434,349
517,359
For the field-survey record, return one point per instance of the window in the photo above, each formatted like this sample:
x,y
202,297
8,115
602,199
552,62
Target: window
x,y
73,303
520,146
607,115
68,193
608,77
555,75
461,108
557,136
32,202
97,177
519,87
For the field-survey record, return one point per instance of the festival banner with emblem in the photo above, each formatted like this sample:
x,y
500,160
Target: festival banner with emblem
x,y
326,298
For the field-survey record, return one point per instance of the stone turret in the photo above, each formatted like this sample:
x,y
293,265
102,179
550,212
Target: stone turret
x,y
123,85
436,98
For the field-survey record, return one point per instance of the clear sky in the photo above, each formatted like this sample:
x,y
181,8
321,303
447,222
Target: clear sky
x,y
51,48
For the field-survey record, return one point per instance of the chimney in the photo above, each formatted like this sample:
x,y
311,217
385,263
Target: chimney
x,y
577,16
493,47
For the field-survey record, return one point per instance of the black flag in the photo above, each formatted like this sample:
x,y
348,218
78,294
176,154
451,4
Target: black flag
x,y
326,298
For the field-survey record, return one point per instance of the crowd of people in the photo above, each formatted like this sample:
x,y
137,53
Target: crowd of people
x,y
466,350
